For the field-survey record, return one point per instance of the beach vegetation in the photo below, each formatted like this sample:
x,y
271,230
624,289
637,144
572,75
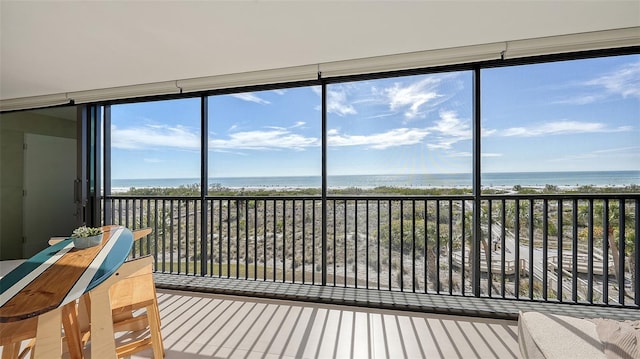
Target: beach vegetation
x,y
180,191
219,190
425,230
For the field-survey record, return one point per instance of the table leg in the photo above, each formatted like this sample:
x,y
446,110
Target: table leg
x,y
103,343
84,320
72,330
48,336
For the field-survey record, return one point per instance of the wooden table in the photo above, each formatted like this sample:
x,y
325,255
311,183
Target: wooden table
x,y
48,284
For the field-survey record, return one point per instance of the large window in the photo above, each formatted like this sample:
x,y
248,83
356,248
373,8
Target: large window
x,y
156,145
562,124
404,132
544,126
398,153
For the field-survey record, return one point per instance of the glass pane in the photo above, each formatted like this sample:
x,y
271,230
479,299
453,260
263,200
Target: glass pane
x,y
265,141
155,147
571,125
406,134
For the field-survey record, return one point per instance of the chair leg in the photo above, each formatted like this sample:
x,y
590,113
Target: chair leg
x,y
27,350
154,327
84,314
11,351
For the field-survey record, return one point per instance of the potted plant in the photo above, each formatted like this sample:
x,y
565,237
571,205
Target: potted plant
x,y
85,237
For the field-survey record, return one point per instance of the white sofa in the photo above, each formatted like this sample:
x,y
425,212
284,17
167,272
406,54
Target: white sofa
x,y
557,336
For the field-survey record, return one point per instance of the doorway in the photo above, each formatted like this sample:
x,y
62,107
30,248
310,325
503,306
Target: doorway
x,y
48,199
38,167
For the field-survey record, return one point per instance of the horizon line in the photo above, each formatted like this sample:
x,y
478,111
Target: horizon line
x,y
378,174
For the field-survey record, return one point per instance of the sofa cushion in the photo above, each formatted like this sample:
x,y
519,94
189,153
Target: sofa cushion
x,y
556,336
621,339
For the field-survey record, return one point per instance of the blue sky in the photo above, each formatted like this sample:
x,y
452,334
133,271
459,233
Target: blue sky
x,y
564,116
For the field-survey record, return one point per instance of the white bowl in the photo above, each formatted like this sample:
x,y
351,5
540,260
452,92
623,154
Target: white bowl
x,y
86,242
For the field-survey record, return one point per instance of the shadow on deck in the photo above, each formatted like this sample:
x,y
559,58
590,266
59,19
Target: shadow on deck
x,y
497,308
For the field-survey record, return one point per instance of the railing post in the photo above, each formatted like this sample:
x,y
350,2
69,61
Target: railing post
x,y
204,182
477,193
324,183
636,271
636,277
621,249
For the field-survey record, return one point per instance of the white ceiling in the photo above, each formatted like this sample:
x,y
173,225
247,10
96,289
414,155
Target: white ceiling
x,y
53,47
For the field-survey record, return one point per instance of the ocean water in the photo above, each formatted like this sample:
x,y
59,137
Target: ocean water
x,y
595,178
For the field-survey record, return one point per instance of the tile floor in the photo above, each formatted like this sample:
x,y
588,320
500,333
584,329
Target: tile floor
x,y
198,325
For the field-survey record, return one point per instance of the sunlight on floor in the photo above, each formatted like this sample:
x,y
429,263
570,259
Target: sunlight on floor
x,y
196,325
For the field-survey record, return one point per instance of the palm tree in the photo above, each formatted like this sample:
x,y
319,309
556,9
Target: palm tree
x,y
484,220
613,221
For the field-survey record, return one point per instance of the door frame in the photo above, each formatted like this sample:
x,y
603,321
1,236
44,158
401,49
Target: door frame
x,y
89,180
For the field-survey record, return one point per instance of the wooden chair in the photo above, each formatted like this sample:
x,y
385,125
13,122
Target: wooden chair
x,y
123,316
137,291
123,319
131,290
13,334
142,232
54,240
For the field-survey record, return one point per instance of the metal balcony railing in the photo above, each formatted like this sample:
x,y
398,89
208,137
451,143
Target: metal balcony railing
x,y
550,248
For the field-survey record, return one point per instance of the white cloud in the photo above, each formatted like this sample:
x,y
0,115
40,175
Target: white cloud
x,y
620,82
625,81
633,149
580,100
153,160
380,116
448,130
248,96
486,132
459,154
271,139
220,150
337,102
469,154
491,154
449,124
155,136
561,128
611,153
383,140
412,98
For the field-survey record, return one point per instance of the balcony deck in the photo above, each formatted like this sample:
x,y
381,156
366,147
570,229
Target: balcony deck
x,y
230,318
486,307
200,321
204,325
